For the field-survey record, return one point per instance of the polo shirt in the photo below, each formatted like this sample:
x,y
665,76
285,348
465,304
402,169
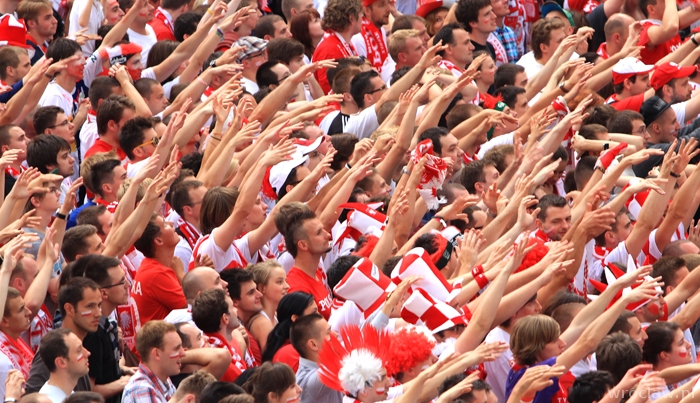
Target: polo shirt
x,y
156,291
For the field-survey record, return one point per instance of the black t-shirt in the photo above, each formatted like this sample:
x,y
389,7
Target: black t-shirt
x,y
488,47
597,19
104,364
338,124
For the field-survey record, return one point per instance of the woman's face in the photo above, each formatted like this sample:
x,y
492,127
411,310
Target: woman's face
x,y
553,349
680,350
276,286
440,16
291,395
488,71
315,30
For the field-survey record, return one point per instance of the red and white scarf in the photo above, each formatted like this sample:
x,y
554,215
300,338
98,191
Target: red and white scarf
x,y
375,42
344,47
603,51
41,324
161,16
188,231
10,170
18,352
501,54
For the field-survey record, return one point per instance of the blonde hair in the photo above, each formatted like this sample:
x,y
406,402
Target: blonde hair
x,y
89,162
391,130
263,270
139,194
397,41
530,336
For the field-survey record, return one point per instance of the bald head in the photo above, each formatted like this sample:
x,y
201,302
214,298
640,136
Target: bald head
x,y
618,24
200,279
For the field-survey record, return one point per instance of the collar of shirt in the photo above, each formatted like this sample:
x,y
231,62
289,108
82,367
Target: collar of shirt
x,y
166,390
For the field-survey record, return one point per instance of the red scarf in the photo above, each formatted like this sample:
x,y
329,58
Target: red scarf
x,y
344,47
18,352
603,51
188,231
542,236
41,324
13,172
375,44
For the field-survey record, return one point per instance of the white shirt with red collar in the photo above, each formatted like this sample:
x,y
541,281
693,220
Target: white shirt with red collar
x,y
233,257
603,51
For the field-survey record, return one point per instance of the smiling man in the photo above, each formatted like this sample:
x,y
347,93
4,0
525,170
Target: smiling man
x,y
161,353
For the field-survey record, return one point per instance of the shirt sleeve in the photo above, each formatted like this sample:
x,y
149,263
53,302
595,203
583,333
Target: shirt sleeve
x,y
15,89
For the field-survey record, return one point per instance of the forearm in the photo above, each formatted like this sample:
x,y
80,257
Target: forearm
x,y
275,101
130,92
107,390
17,103
84,18
36,293
494,229
382,251
8,208
332,210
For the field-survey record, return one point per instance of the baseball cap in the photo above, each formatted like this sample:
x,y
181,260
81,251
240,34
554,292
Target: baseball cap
x,y
652,108
251,45
667,72
550,6
628,67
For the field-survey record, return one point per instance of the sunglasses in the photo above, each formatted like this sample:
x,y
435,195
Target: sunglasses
x,y
154,141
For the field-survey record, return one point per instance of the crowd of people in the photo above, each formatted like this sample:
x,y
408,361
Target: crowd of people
x,y
344,201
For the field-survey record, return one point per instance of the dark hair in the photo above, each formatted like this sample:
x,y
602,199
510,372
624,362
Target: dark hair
x,y
446,35
360,85
186,24
265,77
299,28
339,269
472,173
192,161
467,11
337,15
548,201
666,268
180,195
398,74
505,74
452,380
53,345
584,170
343,63
622,323
405,21
215,391
186,342
618,88
344,144
145,242
62,48
617,353
266,26
284,49
9,57
84,397
643,4
95,268
75,241
591,387
561,297
45,118
72,292
269,378
100,173
434,134
661,336
234,278
100,89
112,109
173,4
207,309
132,134
43,151
621,122
289,221
600,114
303,329
294,303
510,93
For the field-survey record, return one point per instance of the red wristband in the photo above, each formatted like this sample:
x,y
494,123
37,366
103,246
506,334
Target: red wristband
x,y
477,270
482,281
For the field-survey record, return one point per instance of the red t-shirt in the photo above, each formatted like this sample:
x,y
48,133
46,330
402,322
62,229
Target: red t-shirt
x,y
237,366
331,48
288,355
300,281
163,32
633,103
156,291
651,55
102,146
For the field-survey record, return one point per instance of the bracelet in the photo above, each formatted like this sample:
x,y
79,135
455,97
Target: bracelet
x,y
209,11
204,83
220,33
490,214
61,216
476,270
600,168
692,38
563,88
10,400
675,175
482,281
405,170
214,137
441,220
348,166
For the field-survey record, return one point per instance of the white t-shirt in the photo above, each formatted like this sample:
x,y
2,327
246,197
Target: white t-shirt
x,y
532,66
55,394
88,135
679,109
132,168
250,85
55,95
363,124
145,41
96,17
497,371
181,315
237,252
5,367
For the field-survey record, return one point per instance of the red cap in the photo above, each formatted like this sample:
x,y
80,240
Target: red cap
x,y
426,6
13,32
667,72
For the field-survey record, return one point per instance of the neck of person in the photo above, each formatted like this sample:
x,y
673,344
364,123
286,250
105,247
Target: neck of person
x,y
244,316
108,307
111,138
269,308
38,39
450,59
164,256
139,27
108,197
499,21
17,165
66,82
483,87
249,74
10,333
8,6
157,372
45,217
348,108
346,33
62,380
612,48
312,356
226,334
192,220
307,262
10,80
479,37
68,323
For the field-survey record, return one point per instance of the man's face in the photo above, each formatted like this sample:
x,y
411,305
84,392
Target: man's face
x,y
232,315
317,238
210,279
250,301
521,79
668,126
422,32
281,71
379,12
500,7
172,354
254,61
379,389
637,332
113,13
168,236
378,89
640,85
118,177
194,335
379,186
281,30
63,128
461,48
46,23
76,67
680,90
88,310
95,245
413,51
486,22
77,356
558,15
640,129
555,39
557,223
19,318
521,105
296,63
145,14
147,148
196,196
157,102
127,114
491,174
105,221
117,292
65,163
450,148
18,141
23,67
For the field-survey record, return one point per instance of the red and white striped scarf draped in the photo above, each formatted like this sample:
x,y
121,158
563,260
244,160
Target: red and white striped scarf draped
x,y
18,352
159,15
14,172
189,231
344,47
375,44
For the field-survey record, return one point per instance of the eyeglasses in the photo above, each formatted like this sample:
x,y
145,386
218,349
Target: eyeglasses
x,y
123,282
195,203
154,141
641,130
64,123
382,88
